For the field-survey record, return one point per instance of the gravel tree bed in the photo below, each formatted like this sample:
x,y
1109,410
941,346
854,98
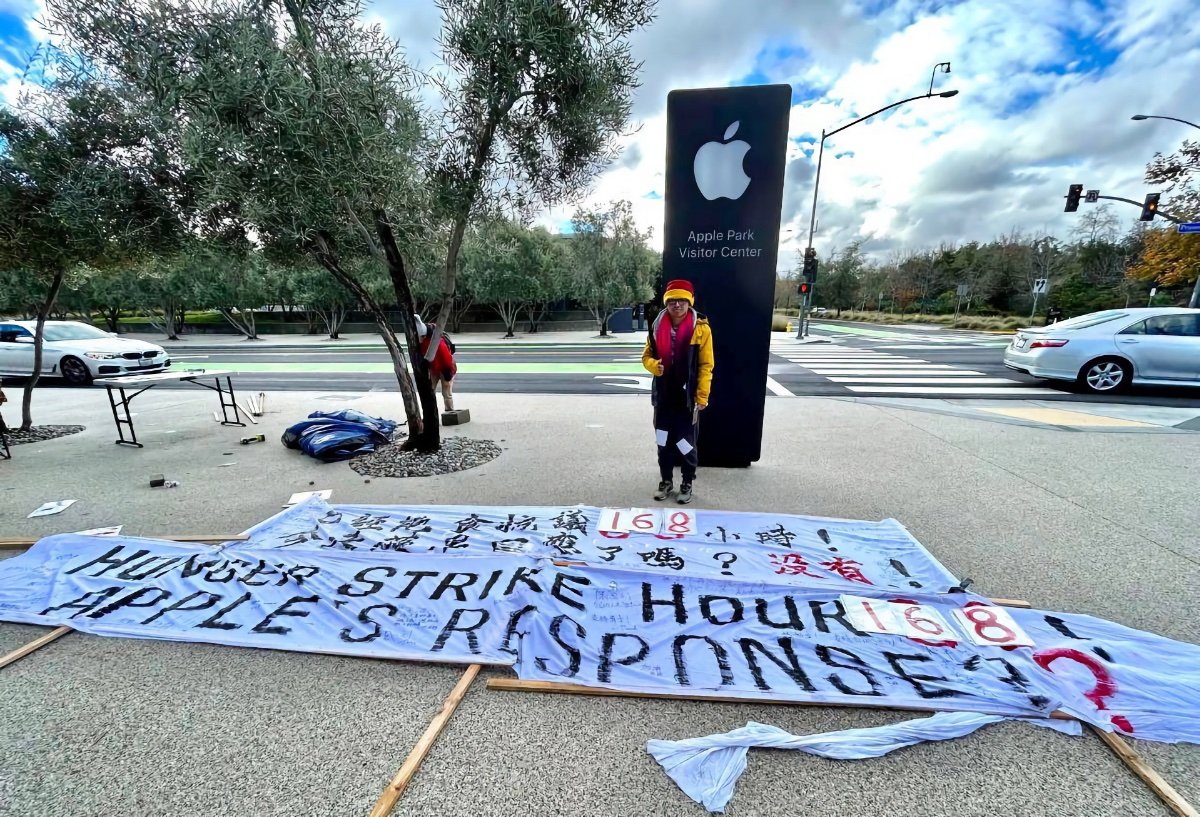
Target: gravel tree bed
x,y
39,434
456,454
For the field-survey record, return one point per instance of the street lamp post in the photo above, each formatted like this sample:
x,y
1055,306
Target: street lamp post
x,y
1194,301
944,67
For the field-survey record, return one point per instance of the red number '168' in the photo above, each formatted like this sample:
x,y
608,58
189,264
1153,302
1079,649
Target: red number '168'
x,y
678,523
925,625
984,619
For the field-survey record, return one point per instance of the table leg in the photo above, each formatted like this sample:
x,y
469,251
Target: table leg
x,y
231,404
120,407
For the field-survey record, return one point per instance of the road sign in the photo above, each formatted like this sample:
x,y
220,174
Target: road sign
x,y
1153,291
964,290
1190,227
1092,196
1039,286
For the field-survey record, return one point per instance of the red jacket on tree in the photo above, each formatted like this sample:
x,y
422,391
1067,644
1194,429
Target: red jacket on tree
x,y
442,366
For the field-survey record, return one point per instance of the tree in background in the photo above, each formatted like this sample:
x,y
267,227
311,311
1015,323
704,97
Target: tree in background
x,y
612,265
73,188
840,284
296,125
540,91
1179,174
1168,259
553,279
505,262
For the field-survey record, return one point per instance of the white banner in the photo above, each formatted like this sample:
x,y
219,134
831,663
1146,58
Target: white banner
x,y
329,584
776,548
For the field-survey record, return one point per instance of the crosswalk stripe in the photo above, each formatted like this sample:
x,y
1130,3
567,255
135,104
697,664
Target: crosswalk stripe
x,y
927,381
943,372
778,389
950,390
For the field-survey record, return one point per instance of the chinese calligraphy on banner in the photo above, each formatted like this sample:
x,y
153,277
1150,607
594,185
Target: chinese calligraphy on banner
x,y
768,610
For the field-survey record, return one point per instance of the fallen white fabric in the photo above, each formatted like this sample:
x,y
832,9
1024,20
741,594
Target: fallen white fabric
x,y
708,768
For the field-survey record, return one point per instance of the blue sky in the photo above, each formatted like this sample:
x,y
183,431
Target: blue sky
x,y
1046,89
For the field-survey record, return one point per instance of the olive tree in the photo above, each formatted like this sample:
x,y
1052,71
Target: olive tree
x,y
539,93
298,130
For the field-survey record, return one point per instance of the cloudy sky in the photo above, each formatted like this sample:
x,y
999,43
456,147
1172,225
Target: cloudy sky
x,y
1046,89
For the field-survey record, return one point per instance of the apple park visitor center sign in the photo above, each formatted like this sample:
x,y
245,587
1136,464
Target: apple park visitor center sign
x,y
726,150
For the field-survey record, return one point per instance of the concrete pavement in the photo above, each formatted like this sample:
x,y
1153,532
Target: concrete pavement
x,y
1085,522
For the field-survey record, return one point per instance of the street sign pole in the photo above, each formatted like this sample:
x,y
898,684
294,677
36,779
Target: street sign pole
x,y
1192,227
1035,300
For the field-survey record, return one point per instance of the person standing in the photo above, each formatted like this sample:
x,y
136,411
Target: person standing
x,y
679,353
442,368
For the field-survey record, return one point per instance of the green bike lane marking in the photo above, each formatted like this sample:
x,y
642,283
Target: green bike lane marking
x,y
386,368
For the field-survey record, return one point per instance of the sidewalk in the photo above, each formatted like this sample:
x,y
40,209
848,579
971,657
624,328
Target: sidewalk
x,y
151,727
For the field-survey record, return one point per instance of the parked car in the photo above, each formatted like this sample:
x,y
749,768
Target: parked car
x,y
1108,351
819,312
76,352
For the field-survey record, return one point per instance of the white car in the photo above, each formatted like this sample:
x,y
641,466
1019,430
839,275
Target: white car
x,y
76,352
1107,351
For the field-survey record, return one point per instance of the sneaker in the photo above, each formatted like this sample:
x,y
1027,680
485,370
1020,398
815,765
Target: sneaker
x,y
685,493
664,491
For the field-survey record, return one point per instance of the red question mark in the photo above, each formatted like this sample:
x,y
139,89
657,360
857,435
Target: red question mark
x,y
1105,687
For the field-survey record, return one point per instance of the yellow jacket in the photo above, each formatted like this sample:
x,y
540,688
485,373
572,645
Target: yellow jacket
x,y
700,367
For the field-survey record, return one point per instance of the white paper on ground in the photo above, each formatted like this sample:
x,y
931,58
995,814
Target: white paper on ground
x,y
112,530
303,495
51,508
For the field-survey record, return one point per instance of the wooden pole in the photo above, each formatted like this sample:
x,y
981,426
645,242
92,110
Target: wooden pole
x,y
517,685
21,652
387,800
1173,799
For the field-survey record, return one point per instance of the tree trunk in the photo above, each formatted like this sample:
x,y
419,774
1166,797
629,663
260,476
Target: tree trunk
x,y
245,324
429,439
38,343
509,311
483,149
323,251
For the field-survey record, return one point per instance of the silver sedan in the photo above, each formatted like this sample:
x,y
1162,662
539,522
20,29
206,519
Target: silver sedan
x,y
1107,351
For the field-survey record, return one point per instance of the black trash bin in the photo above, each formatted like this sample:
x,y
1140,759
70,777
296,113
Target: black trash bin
x,y
621,320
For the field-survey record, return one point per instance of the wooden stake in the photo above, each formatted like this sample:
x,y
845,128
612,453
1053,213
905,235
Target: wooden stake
x,y
1173,799
517,685
21,652
215,537
387,800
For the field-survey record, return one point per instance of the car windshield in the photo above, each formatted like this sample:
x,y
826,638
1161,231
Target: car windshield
x,y
73,331
1093,319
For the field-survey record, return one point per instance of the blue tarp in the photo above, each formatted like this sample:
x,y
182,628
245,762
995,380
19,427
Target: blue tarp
x,y
331,436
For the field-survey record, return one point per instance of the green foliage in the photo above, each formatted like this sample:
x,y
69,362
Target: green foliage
x,y
540,92
612,265
513,268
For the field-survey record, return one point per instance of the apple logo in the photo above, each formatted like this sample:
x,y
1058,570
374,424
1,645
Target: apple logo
x,y
718,167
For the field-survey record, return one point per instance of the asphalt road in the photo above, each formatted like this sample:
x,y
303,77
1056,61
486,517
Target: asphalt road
x,y
859,360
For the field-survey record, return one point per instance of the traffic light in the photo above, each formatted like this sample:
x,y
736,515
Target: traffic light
x,y
805,287
810,265
1074,192
1150,207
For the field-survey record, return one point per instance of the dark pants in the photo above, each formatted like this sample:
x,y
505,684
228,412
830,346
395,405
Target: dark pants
x,y
675,433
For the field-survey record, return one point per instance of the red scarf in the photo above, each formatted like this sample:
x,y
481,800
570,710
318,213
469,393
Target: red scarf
x,y
683,338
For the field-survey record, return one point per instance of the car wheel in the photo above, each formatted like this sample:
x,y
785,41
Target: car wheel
x,y
75,372
1105,376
